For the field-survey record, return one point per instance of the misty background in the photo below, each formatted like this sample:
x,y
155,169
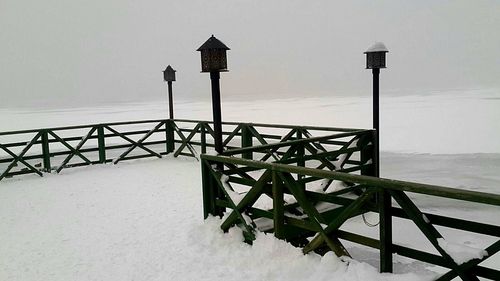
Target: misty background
x,y
85,53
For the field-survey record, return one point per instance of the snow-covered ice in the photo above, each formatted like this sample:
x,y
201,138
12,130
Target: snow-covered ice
x,y
142,220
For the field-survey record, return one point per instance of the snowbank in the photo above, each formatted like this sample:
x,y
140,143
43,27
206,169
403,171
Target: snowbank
x,y
141,221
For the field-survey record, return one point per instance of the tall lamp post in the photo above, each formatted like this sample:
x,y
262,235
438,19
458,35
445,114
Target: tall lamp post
x,y
214,60
169,77
375,60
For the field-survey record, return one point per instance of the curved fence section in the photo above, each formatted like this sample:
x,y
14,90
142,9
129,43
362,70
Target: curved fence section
x,y
55,149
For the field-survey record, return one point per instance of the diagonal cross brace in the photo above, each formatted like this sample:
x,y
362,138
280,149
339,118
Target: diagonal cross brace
x,y
73,150
139,142
185,141
231,136
217,176
19,158
429,231
315,217
470,265
248,200
339,220
77,148
132,141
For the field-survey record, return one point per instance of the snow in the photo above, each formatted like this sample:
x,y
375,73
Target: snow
x,y
134,221
377,47
461,253
408,124
142,220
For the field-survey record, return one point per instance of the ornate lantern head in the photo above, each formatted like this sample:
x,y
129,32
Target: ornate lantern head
x,y
375,56
169,74
213,55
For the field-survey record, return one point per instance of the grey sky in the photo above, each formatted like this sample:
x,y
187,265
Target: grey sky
x,y
59,53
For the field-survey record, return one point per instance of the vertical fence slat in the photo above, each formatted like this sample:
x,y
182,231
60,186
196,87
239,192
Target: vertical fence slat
x,y
46,151
169,134
101,143
385,231
278,207
203,137
246,141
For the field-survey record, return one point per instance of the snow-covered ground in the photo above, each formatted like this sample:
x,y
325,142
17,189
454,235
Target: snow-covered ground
x,y
142,220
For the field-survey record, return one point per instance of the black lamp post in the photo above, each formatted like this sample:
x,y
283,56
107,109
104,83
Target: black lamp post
x,y
375,60
213,60
169,76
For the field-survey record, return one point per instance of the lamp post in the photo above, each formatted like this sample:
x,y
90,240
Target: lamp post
x,y
169,76
214,60
375,60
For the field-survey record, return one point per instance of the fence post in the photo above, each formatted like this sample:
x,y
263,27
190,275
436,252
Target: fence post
x,y
278,207
46,151
101,144
207,190
246,141
385,230
367,153
300,154
203,137
169,131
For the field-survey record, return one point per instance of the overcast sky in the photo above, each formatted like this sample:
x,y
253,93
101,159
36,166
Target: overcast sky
x,y
60,53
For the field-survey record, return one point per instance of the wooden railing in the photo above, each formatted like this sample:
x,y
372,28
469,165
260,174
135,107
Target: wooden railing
x,y
55,149
308,204
302,183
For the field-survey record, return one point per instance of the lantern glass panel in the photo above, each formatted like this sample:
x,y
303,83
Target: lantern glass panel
x,y
375,60
213,60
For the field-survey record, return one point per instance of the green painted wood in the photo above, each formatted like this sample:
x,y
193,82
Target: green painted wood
x,y
347,213
75,150
236,211
232,134
247,201
466,267
140,141
169,136
185,141
428,230
101,144
434,190
203,137
72,150
19,157
246,141
46,151
15,159
385,231
315,217
116,133
278,207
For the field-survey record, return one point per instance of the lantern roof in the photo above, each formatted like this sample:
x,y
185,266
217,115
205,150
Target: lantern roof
x,y
213,43
377,47
169,68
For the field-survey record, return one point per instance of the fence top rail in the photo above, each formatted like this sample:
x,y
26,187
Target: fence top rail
x,y
81,126
427,189
333,129
280,126
291,142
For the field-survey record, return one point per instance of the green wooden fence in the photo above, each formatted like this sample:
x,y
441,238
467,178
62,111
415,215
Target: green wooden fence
x,y
301,183
55,149
288,194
